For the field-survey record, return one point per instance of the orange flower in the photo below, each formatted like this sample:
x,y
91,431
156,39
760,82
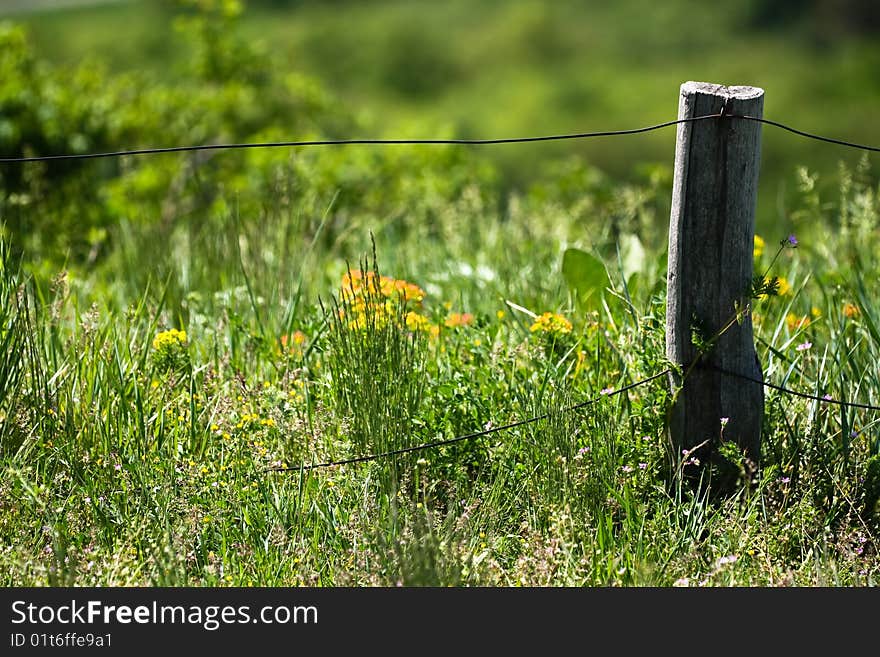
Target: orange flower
x,y
794,322
851,310
295,340
456,320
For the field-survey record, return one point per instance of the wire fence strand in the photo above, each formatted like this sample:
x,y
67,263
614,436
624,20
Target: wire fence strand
x,y
808,135
391,142
825,399
470,436
354,142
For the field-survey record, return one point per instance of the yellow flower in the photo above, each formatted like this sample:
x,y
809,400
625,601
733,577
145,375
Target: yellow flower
x,y
169,339
784,286
759,247
417,322
553,323
581,360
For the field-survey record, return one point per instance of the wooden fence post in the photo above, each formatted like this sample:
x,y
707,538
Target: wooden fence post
x,y
711,241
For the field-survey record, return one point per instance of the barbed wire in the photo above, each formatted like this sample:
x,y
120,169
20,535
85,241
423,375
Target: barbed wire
x,y
825,399
470,436
390,142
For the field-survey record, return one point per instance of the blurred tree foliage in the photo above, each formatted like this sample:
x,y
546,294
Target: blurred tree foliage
x,y
824,19
229,91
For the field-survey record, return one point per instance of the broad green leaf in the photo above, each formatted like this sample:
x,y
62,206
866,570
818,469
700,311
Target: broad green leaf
x,y
632,255
584,273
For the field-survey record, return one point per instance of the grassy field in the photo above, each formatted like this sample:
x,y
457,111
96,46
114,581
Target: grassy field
x,y
135,454
176,329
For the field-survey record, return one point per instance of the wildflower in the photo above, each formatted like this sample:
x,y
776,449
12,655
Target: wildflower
x,y
827,397
795,322
416,322
295,340
499,314
803,346
785,480
356,283
759,247
784,286
581,361
643,466
790,241
723,561
169,350
627,469
169,339
606,391
724,421
850,310
552,323
456,320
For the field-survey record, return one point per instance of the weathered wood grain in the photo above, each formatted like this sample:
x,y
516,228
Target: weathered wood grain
x,y
711,237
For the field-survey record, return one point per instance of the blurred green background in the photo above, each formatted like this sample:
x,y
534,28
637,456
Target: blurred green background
x,y
500,68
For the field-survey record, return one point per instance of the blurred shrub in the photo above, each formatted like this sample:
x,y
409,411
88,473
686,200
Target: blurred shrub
x,y
229,90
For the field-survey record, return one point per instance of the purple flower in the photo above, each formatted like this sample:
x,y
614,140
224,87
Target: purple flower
x,y
827,397
627,469
642,466
606,391
724,421
785,480
791,241
803,346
